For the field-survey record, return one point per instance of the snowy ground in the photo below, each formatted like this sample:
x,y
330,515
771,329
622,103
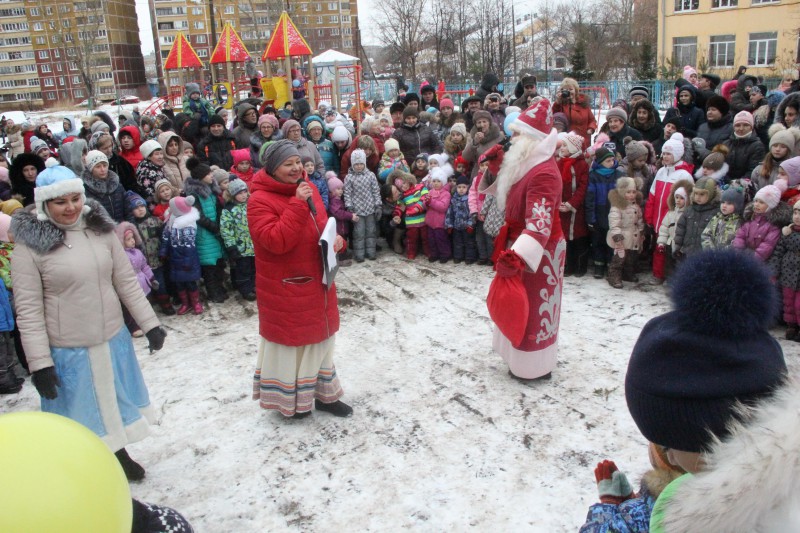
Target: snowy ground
x,y
441,439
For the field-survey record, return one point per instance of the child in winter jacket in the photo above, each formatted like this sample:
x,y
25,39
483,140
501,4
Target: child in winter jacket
x,y
242,166
789,175
206,192
362,197
420,168
236,237
714,166
679,198
131,242
15,142
781,146
625,230
197,107
602,179
150,230
9,382
337,210
437,204
639,162
316,179
459,222
179,246
693,221
574,182
410,211
163,194
763,220
722,227
656,207
151,168
103,185
785,264
392,158
392,231
130,139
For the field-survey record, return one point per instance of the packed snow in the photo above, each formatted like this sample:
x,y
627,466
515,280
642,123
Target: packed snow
x,y
442,439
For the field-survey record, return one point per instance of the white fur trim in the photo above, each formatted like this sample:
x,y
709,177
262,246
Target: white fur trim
x,y
529,249
185,220
525,153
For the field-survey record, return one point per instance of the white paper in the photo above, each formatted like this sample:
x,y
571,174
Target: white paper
x,y
326,242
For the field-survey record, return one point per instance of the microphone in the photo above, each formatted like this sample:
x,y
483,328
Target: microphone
x,y
310,199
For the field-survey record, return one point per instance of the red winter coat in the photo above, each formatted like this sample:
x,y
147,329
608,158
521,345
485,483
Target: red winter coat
x,y
372,161
574,180
580,117
294,306
132,156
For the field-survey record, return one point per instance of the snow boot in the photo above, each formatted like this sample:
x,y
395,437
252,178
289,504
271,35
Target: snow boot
x,y
397,241
165,304
184,308
337,408
133,470
791,332
194,297
9,382
598,271
629,266
615,272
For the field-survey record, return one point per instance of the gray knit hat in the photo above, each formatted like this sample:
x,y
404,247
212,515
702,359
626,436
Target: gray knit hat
x,y
714,161
37,144
617,112
459,127
236,186
276,153
635,149
734,195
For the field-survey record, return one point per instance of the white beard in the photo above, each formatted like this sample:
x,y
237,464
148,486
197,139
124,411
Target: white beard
x,y
525,153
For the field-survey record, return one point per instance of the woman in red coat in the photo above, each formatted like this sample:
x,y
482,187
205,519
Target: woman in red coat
x,y
575,105
575,180
298,315
530,248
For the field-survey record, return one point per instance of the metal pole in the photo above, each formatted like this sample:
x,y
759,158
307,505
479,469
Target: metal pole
x,y
514,38
213,26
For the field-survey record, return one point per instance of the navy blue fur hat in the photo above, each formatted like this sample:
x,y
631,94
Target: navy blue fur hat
x,y
691,367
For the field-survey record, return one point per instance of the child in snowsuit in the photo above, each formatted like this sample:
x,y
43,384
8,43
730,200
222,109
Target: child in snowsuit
x,y
150,230
236,236
410,211
392,158
178,245
458,223
317,180
625,230
763,220
705,203
437,204
197,107
785,264
602,179
679,198
128,235
722,227
362,197
344,218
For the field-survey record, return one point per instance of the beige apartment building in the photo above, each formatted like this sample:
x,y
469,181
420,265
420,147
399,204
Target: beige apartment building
x,y
51,51
721,35
324,25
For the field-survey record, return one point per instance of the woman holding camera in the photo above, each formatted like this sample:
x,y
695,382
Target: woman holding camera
x,y
576,106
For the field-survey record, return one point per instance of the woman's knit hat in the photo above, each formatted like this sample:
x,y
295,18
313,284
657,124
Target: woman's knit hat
x,y
789,137
52,183
572,141
691,367
792,169
340,134
770,195
163,182
289,124
278,152
269,119
635,149
37,144
95,157
744,117
446,102
562,119
617,112
459,127
714,161
197,168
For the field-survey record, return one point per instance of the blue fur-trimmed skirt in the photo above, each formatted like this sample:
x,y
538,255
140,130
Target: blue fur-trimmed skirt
x,y
102,388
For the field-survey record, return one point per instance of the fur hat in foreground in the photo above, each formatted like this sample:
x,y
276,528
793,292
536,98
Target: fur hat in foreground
x,y
692,367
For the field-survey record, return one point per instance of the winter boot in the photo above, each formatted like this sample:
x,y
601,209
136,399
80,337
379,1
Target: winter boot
x,y
194,298
165,304
9,382
184,308
397,241
615,273
598,271
629,266
337,408
791,332
133,470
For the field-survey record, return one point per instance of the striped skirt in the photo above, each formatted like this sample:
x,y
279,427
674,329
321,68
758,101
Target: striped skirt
x,y
290,378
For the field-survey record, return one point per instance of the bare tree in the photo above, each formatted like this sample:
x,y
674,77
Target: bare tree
x,y
85,45
404,36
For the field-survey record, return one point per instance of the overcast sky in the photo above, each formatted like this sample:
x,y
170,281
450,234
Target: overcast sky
x,y
366,12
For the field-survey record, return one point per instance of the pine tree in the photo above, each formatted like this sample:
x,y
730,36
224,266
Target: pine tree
x,y
646,69
578,60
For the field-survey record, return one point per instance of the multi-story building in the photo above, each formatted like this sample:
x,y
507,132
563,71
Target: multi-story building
x,y
721,35
323,24
60,51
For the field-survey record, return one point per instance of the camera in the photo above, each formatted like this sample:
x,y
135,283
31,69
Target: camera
x,y
565,94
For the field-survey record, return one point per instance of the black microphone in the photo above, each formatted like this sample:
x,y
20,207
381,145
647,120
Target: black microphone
x,y
310,199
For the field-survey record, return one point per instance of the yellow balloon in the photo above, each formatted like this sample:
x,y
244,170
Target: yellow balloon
x,y
59,477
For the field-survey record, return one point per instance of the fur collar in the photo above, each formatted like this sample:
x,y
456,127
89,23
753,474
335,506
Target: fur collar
x,y
618,200
717,176
99,186
44,236
752,480
193,187
780,216
494,134
184,221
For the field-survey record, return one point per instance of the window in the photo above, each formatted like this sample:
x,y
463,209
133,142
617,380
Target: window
x,y
167,39
56,53
762,48
229,10
76,79
333,6
334,19
203,52
46,68
759,2
346,19
58,67
715,4
320,33
37,26
347,31
51,95
48,10
721,51
686,5
73,65
684,50
33,82
201,39
34,11
61,81
317,7
199,25
41,40
319,20
43,54
48,82
561,62
197,11
334,31
78,93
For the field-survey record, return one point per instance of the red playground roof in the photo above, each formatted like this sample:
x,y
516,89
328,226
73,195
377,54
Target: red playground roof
x,y
286,41
230,47
182,55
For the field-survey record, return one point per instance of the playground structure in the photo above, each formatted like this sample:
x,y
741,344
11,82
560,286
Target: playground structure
x,y
285,43
229,50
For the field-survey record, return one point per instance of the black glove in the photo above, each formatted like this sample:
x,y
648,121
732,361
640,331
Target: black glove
x,y
156,338
46,381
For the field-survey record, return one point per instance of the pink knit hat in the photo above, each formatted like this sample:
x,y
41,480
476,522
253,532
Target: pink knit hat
x,y
180,205
743,116
242,154
792,169
688,70
446,102
268,118
770,195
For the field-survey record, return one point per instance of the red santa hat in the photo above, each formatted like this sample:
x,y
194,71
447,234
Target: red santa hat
x,y
536,121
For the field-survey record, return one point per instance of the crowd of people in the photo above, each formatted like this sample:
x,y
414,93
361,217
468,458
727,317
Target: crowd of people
x,y
171,204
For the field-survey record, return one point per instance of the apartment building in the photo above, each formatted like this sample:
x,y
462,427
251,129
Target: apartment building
x,y
323,24
52,51
721,35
